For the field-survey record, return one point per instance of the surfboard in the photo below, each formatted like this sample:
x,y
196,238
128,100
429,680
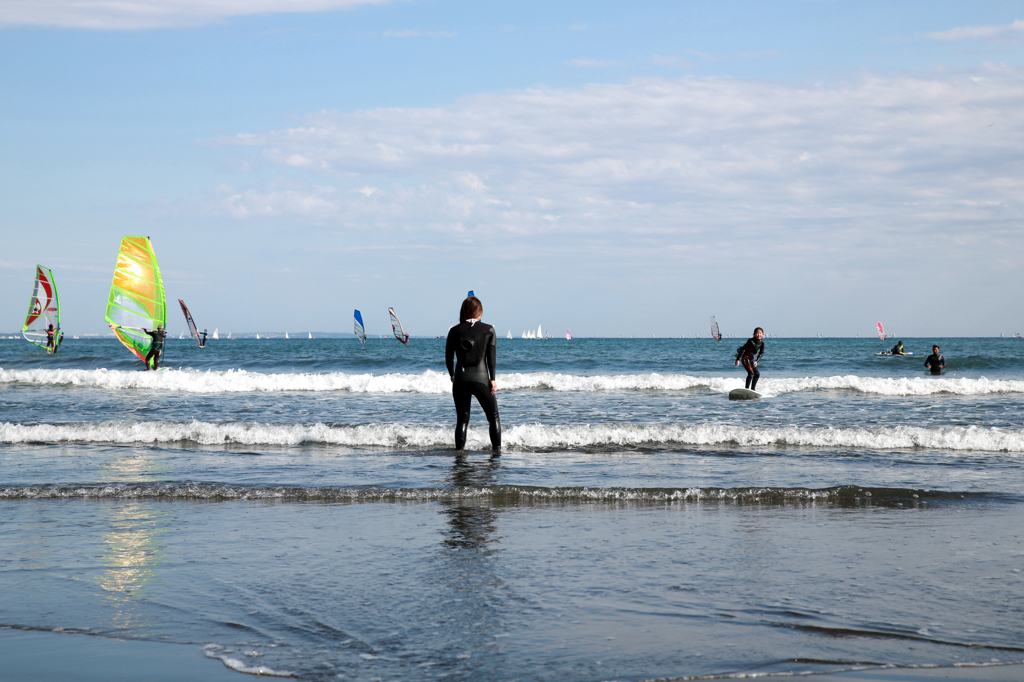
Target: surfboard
x,y
743,394
885,352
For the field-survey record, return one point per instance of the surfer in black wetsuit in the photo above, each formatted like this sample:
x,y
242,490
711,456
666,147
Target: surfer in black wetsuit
x,y
158,335
897,349
51,339
202,341
935,362
745,354
469,355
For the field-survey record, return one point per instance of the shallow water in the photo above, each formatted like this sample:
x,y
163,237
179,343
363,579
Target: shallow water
x,y
296,505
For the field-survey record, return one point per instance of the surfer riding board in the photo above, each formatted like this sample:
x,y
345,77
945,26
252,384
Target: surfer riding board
x,y
746,354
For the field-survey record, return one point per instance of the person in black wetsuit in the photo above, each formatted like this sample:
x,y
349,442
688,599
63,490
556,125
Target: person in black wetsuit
x,y
935,362
51,339
469,355
745,354
202,341
897,349
153,357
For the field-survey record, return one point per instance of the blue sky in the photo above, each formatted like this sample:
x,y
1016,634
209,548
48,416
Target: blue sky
x,y
804,166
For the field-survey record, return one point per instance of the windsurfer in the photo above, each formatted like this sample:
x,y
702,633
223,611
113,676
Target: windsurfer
x,y
897,349
51,338
202,341
156,350
935,362
745,354
469,354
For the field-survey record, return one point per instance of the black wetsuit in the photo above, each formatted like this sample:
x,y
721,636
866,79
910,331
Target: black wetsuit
x,y
469,355
202,341
936,363
51,344
158,336
745,354
897,349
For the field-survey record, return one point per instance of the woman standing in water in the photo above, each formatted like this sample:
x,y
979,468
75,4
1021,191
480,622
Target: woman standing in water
x,y
745,354
469,355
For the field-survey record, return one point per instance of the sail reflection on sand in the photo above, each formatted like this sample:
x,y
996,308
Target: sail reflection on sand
x,y
130,556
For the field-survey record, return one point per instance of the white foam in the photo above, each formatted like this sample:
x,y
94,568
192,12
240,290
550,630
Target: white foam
x,y
529,436
214,651
431,382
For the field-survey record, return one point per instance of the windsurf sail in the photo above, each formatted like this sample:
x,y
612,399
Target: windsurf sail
x,y
43,310
881,331
396,326
358,329
568,335
193,332
716,333
136,298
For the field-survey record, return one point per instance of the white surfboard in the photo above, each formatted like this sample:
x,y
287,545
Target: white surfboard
x,y
743,394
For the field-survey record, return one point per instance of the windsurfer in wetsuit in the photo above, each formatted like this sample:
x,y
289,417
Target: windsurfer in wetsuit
x,y
51,339
469,355
158,335
745,354
935,362
202,341
897,349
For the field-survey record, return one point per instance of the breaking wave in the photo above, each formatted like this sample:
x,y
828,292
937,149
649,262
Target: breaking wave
x,y
524,436
431,382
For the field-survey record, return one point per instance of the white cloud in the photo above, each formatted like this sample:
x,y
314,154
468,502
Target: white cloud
x,y
1013,32
143,14
707,163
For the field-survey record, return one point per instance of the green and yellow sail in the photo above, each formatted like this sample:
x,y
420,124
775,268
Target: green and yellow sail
x,y
137,298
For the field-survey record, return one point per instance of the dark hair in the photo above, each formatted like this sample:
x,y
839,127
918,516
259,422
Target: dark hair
x,y
472,309
756,329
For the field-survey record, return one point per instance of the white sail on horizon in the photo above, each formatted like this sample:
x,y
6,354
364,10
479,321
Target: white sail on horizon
x,y
215,335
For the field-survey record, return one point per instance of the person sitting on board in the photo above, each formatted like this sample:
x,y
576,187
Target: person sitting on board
x,y
897,349
469,354
202,341
935,362
153,357
745,354
50,338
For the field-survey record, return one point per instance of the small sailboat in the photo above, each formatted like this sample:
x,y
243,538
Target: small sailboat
x,y
257,336
229,333
509,335
215,332
716,333
136,299
396,326
310,334
358,329
540,334
43,311
568,335
181,335
286,335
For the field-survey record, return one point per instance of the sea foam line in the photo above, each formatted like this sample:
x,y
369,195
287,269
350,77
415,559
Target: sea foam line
x,y
432,382
523,436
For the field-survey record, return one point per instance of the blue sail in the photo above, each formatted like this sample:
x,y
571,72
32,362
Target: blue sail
x,y
359,330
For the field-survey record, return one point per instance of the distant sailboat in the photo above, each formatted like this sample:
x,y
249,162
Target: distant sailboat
x,y
257,336
181,335
310,334
286,335
509,334
568,335
215,335
229,333
540,334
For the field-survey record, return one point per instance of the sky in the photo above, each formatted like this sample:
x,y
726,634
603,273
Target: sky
x,y
615,168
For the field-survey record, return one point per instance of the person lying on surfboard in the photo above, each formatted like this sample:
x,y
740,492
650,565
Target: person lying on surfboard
x,y
897,349
745,354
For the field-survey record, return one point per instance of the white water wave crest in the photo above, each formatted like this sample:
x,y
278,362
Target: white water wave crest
x,y
432,382
525,436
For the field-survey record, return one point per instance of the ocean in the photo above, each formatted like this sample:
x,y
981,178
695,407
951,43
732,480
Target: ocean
x,y
295,507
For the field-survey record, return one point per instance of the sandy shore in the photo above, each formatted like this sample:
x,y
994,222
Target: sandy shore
x,y
985,673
